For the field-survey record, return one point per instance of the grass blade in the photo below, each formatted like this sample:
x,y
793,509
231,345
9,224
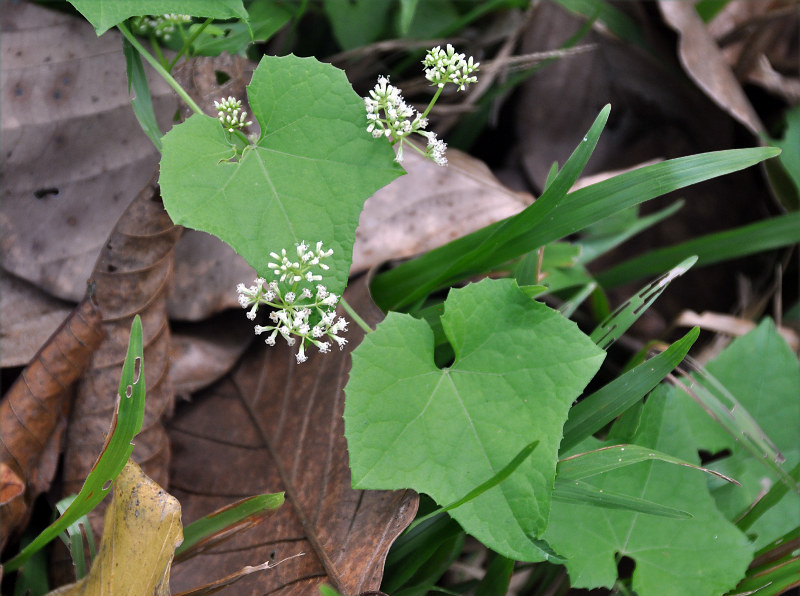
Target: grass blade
x,y
126,423
713,248
601,407
141,102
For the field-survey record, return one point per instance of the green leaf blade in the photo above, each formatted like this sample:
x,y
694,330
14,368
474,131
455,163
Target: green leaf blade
x,y
518,367
104,14
306,178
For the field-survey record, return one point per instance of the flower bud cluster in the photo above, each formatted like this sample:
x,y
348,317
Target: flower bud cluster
x,y
160,26
229,114
303,309
448,66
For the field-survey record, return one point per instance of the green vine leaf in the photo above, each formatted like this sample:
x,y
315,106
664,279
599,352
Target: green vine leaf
x,y
518,367
703,555
305,179
104,14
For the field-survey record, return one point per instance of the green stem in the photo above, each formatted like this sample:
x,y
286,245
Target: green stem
x,y
355,316
159,69
188,43
433,101
157,49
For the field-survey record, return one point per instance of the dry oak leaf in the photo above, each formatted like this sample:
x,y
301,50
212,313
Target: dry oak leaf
x,y
73,153
33,413
273,425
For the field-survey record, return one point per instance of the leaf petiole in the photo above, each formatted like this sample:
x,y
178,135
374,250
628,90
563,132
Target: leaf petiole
x,y
159,69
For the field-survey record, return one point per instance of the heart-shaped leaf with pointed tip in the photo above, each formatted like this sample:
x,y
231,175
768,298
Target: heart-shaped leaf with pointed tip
x,y
518,367
305,179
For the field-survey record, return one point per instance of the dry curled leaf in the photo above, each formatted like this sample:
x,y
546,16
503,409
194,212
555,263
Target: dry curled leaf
x,y
273,425
705,64
141,532
132,276
73,152
33,413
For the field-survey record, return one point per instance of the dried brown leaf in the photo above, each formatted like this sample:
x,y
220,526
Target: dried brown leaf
x,y
34,407
73,152
28,316
132,276
275,426
429,207
203,353
705,64
558,103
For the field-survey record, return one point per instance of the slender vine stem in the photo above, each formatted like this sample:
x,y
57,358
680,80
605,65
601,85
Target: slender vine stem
x,y
433,101
159,69
354,315
188,43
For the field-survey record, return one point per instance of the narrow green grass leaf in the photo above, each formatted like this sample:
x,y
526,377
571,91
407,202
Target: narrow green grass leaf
x,y
415,547
73,537
485,248
479,490
625,315
578,492
226,519
497,577
414,279
141,101
126,423
768,234
604,405
612,457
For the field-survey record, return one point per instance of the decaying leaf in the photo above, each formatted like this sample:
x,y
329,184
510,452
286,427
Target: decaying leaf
x,y
34,411
204,352
273,425
28,316
429,207
705,64
558,102
132,276
141,531
73,153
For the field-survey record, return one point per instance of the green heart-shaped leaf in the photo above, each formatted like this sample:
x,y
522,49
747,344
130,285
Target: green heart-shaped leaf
x,y
306,178
518,367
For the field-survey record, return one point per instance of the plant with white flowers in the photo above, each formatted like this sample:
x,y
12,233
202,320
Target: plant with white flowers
x,y
159,26
389,115
303,308
229,114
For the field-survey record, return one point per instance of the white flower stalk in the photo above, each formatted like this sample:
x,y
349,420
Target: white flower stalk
x,y
159,26
448,66
303,309
229,114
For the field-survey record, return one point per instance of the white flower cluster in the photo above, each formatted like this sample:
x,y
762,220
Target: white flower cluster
x,y
389,115
447,66
300,312
228,113
160,26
